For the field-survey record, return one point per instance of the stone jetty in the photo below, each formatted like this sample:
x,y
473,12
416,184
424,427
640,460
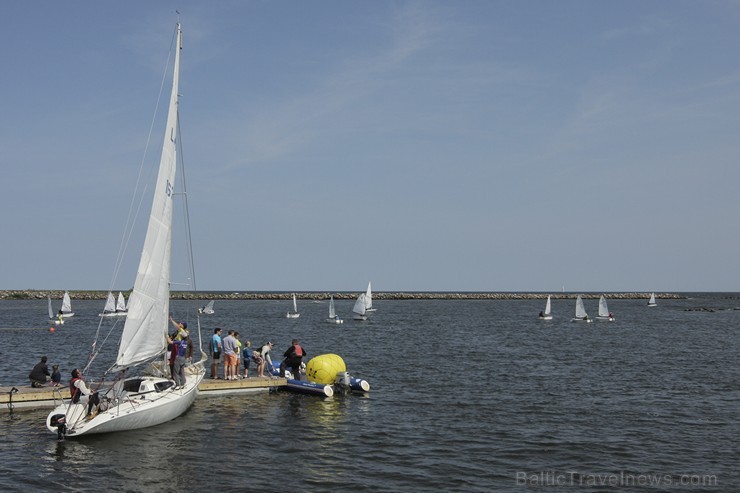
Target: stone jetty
x,y
29,294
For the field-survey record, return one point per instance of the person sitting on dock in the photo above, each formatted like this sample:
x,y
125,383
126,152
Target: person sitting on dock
x,y
81,394
56,376
293,358
40,375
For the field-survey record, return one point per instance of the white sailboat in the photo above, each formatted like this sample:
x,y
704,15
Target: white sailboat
x,y
369,298
58,319
208,309
333,317
581,315
114,308
358,311
651,301
121,304
66,310
294,313
546,315
134,402
604,313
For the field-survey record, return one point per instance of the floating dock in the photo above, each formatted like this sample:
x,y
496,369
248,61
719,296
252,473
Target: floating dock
x,y
29,398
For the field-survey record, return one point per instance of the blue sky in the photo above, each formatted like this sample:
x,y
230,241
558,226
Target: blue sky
x,y
475,145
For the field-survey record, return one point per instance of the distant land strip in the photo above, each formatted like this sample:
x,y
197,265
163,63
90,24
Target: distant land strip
x,y
28,294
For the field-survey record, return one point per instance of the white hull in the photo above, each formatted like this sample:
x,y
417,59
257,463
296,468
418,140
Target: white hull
x,y
68,314
546,317
357,316
606,319
586,320
335,320
113,314
292,315
134,411
56,321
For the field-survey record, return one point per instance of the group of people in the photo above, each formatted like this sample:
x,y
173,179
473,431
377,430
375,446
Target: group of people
x,y
237,355
79,392
40,375
180,349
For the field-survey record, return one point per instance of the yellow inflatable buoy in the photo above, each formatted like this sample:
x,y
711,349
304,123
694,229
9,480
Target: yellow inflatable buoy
x,y
323,369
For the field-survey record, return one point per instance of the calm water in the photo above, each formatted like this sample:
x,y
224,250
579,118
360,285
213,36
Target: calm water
x,y
466,396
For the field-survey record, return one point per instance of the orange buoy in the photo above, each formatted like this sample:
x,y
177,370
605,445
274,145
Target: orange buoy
x,y
51,329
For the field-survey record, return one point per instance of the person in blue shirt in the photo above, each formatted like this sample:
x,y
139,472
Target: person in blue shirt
x,y
247,354
215,349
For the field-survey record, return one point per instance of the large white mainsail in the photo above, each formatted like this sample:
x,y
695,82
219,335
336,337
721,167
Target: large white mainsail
x,y
145,332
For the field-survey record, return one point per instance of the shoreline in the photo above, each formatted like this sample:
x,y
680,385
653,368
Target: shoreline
x,y
30,294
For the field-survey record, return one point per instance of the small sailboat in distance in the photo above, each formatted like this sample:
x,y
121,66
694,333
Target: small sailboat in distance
x,y
604,313
358,311
57,320
581,315
208,309
333,317
66,310
546,315
651,301
294,313
369,298
114,308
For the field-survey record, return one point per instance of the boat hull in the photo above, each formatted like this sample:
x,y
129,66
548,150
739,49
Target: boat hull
x,y
113,314
132,412
585,320
546,317
334,320
310,388
292,315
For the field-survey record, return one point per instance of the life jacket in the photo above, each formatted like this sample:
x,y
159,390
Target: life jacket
x,y
298,351
182,347
74,391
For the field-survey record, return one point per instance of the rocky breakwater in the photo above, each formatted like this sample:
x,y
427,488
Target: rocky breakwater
x,y
29,294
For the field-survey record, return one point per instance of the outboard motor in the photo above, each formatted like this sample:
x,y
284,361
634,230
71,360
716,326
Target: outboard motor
x,y
60,421
342,381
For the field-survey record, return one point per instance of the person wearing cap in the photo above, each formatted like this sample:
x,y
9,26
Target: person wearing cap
x,y
180,351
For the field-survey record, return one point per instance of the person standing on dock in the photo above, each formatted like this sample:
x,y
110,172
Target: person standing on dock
x,y
266,359
247,355
40,375
293,357
229,345
216,351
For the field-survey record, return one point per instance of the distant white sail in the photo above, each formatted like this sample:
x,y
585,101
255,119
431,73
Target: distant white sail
x,y
603,309
120,303
110,303
580,308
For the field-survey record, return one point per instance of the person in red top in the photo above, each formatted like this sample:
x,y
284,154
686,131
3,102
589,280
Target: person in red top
x,y
80,393
293,357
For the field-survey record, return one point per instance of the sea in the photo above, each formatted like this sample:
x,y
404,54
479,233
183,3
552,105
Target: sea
x,y
466,395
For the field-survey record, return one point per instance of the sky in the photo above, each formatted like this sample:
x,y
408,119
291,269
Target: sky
x,y
424,146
